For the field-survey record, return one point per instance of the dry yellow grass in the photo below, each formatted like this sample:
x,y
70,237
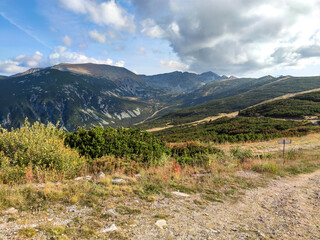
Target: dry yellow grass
x,y
310,141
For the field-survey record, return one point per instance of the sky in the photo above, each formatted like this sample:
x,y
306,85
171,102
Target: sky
x,y
229,37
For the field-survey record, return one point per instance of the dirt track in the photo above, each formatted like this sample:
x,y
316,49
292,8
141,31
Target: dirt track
x,y
287,209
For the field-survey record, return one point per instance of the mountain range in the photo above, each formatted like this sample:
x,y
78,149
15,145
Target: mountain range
x,y
102,95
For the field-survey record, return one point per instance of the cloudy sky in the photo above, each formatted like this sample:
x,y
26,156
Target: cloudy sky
x,y
231,37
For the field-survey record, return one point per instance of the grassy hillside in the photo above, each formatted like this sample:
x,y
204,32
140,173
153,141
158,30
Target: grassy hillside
x,y
237,102
299,106
238,129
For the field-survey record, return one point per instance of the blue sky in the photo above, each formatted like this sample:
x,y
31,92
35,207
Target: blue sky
x,y
231,37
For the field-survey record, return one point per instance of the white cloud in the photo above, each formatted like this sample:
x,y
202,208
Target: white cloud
x,y
120,64
21,63
63,55
60,54
174,65
105,13
10,66
150,29
29,61
98,37
67,40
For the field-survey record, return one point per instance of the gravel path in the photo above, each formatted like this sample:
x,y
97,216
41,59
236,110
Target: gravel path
x,y
287,209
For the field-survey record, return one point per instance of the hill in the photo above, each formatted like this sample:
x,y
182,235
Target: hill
x,y
250,97
180,82
238,129
298,107
50,95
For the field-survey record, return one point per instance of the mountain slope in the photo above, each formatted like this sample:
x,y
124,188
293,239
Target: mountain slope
x,y
237,102
179,82
298,107
50,95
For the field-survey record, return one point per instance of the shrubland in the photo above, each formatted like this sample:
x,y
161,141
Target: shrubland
x,y
40,163
43,154
237,129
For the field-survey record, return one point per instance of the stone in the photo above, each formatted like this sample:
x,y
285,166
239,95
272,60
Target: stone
x,y
83,178
112,212
137,175
111,228
11,210
100,176
161,223
180,194
118,180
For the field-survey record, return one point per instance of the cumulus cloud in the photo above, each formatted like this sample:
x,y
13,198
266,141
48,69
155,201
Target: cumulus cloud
x,y
21,63
67,40
29,61
174,65
10,66
104,13
97,36
63,55
150,29
233,37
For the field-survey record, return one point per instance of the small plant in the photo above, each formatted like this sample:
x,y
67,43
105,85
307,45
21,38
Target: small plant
x,y
265,167
27,232
241,154
125,210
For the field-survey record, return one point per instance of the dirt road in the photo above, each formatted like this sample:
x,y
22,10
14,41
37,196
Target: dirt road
x,y
288,208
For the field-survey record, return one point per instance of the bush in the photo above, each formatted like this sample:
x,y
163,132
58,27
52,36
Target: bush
x,y
241,154
133,143
265,167
194,154
36,147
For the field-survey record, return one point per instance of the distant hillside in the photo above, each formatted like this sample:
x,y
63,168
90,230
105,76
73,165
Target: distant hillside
x,y
222,88
238,129
275,88
50,95
180,82
298,107
2,77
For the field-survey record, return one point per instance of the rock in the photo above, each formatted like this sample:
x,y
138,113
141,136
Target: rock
x,y
100,176
112,212
161,223
11,210
180,194
83,178
118,180
137,175
111,228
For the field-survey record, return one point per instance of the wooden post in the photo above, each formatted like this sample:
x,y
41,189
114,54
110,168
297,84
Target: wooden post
x,y
284,142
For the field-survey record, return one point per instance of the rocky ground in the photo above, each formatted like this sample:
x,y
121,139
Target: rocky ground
x,y
288,208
